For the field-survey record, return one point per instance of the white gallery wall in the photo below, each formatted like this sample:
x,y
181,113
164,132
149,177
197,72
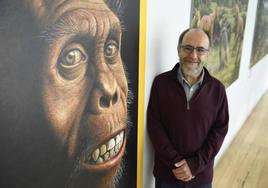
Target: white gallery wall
x,y
165,21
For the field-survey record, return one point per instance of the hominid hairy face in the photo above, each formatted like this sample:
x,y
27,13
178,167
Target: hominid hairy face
x,y
85,88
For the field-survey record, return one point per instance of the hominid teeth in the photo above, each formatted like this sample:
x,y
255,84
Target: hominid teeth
x,y
100,160
103,150
116,148
112,153
95,155
120,143
107,151
110,144
122,136
106,156
117,139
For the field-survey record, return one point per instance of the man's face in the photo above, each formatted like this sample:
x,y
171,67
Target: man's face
x,y
192,62
84,85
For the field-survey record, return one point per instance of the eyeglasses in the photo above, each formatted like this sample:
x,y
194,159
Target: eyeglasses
x,y
199,50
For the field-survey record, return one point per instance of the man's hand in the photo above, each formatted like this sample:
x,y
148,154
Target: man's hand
x,y
182,171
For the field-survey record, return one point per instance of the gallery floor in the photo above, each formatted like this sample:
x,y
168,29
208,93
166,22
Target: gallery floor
x,y
245,163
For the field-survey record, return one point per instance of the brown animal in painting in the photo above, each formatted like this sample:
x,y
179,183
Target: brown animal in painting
x,y
207,24
223,48
239,22
63,93
196,18
210,24
238,32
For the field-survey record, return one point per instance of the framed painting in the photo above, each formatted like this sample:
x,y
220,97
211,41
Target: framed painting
x,y
260,40
224,21
69,93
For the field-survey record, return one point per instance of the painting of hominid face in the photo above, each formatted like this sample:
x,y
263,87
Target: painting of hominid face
x,y
67,102
224,21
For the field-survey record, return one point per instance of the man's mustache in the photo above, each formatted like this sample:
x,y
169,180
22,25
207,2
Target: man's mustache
x,y
190,60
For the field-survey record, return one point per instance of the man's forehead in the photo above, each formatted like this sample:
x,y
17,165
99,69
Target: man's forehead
x,y
197,35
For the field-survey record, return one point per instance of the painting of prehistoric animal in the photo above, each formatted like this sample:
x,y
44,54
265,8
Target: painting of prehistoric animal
x,y
260,40
224,21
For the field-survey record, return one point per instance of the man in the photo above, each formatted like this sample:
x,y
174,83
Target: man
x,y
187,117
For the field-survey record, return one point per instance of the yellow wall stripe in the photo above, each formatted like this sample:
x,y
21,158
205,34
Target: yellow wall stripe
x,y
142,59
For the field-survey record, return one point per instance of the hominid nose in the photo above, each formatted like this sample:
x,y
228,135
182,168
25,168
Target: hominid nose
x,y
108,101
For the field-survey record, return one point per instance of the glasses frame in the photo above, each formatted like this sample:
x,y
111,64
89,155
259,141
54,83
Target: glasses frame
x,y
191,49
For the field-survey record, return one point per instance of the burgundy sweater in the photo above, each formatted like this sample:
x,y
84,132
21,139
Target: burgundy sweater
x,y
195,134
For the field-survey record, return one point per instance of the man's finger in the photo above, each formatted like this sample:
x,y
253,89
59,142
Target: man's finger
x,y
180,163
178,173
186,178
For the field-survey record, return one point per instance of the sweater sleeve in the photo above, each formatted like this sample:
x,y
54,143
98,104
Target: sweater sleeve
x,y
164,150
214,139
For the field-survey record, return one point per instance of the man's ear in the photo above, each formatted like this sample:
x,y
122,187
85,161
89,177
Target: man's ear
x,y
178,50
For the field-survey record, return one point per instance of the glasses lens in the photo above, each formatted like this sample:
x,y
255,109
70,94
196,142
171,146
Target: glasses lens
x,y
188,49
201,50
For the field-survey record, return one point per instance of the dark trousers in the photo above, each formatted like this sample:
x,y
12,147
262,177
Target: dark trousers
x,y
165,185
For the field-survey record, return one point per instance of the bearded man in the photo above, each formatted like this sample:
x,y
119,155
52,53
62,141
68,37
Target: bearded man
x,y
187,117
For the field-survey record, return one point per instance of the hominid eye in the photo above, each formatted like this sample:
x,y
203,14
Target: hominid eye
x,y
72,63
72,58
111,49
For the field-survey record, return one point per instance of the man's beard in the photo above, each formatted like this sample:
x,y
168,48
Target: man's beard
x,y
192,72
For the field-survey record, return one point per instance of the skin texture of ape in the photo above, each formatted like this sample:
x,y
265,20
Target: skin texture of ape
x,y
64,63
